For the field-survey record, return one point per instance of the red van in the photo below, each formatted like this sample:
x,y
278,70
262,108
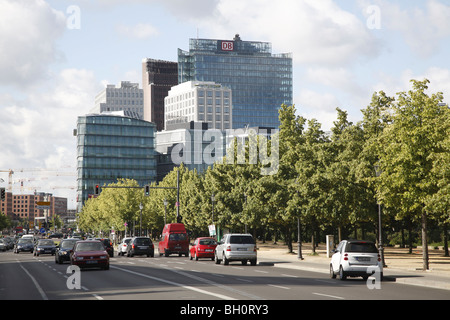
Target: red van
x,y
174,239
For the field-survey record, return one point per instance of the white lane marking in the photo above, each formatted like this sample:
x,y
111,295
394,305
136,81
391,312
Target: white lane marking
x,y
327,295
38,287
280,287
221,296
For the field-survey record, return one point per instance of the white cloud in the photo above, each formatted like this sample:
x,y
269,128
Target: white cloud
x,y
140,31
317,32
423,29
28,33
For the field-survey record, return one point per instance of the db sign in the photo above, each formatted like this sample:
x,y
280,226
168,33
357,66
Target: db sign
x,y
227,45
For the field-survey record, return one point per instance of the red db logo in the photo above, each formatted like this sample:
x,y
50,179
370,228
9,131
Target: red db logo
x,y
227,46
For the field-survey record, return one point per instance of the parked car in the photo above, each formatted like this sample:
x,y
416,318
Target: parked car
x,y
174,239
64,250
24,244
123,245
108,246
355,258
236,247
140,246
90,254
44,246
3,245
203,248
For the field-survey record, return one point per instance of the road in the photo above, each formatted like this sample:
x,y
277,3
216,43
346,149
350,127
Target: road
x,y
25,277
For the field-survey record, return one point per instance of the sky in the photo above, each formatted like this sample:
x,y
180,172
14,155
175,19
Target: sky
x,y
57,55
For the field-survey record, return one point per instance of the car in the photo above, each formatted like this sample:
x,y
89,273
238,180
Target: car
x,y
123,245
24,244
203,248
355,258
90,254
44,246
64,250
140,246
174,239
236,247
3,245
108,246
9,242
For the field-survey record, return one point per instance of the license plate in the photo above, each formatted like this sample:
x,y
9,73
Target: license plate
x,y
91,261
208,250
241,249
143,248
362,259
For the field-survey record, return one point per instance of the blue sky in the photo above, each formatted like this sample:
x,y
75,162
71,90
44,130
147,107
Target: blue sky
x,y
343,52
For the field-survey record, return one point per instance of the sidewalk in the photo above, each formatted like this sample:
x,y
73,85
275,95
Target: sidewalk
x,y
402,267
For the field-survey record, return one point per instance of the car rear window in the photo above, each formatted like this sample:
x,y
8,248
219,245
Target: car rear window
x,y
142,241
178,236
207,242
241,240
367,247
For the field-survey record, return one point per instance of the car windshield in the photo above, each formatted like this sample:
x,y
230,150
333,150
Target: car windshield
x,y
67,244
90,246
367,247
178,236
24,241
46,243
207,242
142,241
241,240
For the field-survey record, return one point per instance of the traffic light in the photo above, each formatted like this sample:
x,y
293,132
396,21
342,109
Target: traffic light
x,y
147,190
97,190
2,194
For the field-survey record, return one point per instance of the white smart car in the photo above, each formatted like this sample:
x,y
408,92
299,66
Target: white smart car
x,y
123,245
355,258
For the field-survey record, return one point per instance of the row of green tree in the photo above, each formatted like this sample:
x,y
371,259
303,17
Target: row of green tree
x,y
397,157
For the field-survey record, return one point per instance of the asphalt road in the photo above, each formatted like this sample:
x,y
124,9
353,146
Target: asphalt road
x,y
25,277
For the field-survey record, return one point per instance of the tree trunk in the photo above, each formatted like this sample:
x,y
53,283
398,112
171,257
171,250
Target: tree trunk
x,y
424,242
445,240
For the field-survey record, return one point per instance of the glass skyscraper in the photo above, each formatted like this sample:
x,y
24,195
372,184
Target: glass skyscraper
x,y
260,81
112,146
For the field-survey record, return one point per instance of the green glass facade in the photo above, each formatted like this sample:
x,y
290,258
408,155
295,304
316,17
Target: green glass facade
x,y
110,147
260,81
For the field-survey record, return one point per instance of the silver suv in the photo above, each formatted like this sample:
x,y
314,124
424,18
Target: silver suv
x,y
236,247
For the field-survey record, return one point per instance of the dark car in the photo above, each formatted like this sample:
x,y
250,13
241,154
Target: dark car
x,y
141,246
44,246
64,250
108,246
90,254
24,245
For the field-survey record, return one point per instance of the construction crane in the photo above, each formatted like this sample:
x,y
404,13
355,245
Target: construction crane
x,y
9,178
36,170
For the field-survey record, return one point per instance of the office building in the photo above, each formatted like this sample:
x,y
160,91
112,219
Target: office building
x,y
112,146
158,76
199,102
128,97
260,81
24,207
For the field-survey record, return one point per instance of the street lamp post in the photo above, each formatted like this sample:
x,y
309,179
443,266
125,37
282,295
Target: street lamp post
x,y
140,218
380,236
212,200
165,211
